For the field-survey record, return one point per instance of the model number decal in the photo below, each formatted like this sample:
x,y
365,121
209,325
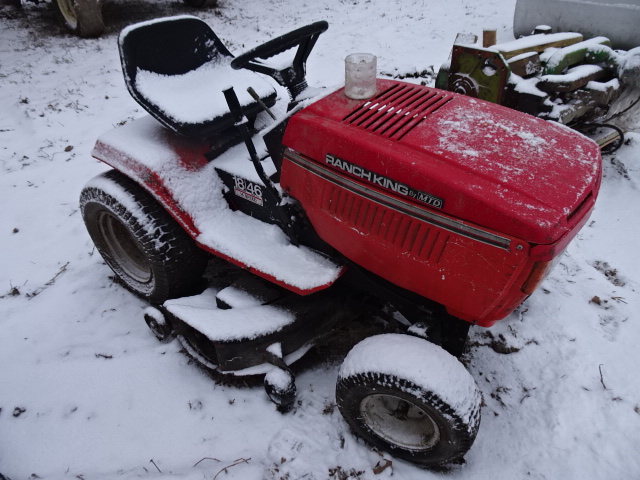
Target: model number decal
x,y
247,190
384,182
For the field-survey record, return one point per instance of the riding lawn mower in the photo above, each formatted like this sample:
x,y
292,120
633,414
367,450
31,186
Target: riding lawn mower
x,y
423,208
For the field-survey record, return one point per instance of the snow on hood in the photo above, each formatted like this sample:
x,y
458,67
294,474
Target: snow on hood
x,y
504,164
493,166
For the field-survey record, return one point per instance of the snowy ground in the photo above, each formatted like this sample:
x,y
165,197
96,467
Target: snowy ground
x,y
87,392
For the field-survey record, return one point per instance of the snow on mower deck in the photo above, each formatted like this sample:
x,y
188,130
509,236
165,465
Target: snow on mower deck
x,y
243,321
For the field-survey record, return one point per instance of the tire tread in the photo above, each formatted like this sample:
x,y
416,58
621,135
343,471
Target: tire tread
x,y
176,260
465,431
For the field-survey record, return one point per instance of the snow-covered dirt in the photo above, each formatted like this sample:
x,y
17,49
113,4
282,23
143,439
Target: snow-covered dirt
x,y
87,392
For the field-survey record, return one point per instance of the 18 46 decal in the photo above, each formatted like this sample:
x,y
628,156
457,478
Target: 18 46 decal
x,y
250,191
384,182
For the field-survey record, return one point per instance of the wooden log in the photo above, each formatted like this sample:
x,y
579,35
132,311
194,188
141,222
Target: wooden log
x,y
489,38
575,78
526,64
537,43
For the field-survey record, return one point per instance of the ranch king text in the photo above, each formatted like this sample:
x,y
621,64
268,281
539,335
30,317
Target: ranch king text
x,y
384,182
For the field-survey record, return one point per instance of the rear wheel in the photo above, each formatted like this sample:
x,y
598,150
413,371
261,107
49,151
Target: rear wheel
x,y
144,246
82,17
391,399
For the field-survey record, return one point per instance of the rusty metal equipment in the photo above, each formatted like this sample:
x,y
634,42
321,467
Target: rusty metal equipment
x,y
555,76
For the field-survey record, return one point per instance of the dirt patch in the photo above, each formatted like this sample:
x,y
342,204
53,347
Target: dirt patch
x,y
499,345
619,168
609,272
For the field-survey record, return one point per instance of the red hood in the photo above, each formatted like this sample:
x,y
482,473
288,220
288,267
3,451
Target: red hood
x,y
492,166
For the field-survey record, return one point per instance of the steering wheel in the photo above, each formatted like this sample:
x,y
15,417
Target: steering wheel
x,y
291,76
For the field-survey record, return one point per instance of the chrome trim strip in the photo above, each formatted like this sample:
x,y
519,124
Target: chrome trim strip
x,y
390,202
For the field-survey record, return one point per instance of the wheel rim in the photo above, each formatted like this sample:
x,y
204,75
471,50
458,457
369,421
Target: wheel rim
x,y
68,11
399,422
161,331
125,249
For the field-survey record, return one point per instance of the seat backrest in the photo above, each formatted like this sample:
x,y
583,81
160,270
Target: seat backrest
x,y
169,46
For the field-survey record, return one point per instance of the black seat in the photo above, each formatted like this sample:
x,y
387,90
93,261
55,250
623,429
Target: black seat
x,y
176,69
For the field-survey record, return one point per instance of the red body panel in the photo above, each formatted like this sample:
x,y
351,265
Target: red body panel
x,y
449,197
149,153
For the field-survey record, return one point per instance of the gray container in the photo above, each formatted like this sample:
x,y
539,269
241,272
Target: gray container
x,y
618,20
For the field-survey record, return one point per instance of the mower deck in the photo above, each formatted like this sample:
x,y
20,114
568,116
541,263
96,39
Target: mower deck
x,y
233,330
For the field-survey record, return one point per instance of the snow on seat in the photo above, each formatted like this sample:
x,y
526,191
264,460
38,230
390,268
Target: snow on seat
x,y
196,97
176,69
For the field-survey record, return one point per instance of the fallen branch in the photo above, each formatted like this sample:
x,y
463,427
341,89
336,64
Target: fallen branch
x,y
381,467
154,464
203,459
236,462
602,379
38,291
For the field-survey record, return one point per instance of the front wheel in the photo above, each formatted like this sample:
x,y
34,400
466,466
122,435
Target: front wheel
x,y
82,17
144,246
409,397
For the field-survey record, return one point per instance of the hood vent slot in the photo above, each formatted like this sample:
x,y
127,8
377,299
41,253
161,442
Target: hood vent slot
x,y
398,110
